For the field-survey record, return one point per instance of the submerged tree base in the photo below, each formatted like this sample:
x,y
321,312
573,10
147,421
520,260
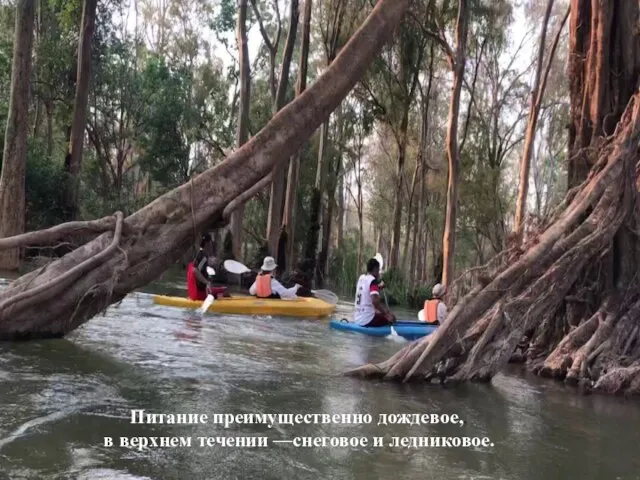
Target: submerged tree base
x,y
567,304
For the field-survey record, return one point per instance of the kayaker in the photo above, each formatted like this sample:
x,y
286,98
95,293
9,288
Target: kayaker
x,y
199,282
435,310
369,310
266,286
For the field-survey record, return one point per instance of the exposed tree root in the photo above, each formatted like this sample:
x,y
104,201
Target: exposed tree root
x,y
538,300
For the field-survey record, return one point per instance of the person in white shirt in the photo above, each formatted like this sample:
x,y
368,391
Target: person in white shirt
x,y
369,310
266,286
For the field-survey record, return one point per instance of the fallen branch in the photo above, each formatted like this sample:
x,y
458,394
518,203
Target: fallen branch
x,y
55,285
53,234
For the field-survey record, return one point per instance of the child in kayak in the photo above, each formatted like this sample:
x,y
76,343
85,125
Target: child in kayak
x,y
266,286
199,282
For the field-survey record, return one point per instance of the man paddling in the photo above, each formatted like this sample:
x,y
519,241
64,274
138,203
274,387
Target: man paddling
x,y
266,286
369,310
435,311
199,282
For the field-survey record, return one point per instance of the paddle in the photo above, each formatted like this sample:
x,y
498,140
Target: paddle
x,y
232,266
210,298
378,257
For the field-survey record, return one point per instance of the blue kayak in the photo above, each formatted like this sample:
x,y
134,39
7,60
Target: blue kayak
x,y
407,329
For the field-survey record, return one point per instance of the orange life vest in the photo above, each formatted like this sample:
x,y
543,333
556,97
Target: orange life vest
x,y
431,311
263,285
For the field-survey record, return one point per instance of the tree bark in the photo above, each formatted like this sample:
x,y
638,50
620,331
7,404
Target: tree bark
x,y
458,65
537,94
294,163
242,131
164,228
278,185
603,72
12,178
74,153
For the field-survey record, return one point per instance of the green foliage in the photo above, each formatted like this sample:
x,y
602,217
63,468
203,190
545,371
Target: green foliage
x,y
165,153
44,197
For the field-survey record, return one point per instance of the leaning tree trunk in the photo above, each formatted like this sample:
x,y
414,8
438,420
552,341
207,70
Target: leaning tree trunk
x,y
102,272
12,178
567,304
242,131
73,162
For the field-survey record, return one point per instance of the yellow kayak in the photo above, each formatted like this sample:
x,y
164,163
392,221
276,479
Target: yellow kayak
x,y
298,307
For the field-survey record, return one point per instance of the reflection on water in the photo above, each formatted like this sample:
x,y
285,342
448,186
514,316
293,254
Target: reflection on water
x,y
60,398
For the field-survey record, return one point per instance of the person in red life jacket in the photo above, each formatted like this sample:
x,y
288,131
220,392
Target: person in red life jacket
x,y
369,310
199,282
266,286
435,311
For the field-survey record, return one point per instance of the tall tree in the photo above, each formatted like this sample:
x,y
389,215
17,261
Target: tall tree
x,y
14,159
391,88
456,59
288,218
279,174
73,160
242,132
537,93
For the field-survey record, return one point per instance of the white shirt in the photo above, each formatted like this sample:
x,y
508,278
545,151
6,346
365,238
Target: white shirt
x,y
277,287
441,312
363,310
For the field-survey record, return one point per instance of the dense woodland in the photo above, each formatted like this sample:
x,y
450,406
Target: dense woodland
x,y
169,93
478,143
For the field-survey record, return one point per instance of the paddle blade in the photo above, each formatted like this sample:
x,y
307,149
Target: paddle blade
x,y
207,303
326,296
421,315
238,268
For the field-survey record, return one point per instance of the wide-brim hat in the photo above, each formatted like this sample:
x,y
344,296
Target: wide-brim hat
x,y
269,264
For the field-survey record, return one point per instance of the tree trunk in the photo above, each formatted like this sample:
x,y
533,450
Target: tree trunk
x,y
567,303
537,94
80,106
278,177
418,221
340,226
102,272
394,254
603,71
458,64
242,131
12,178
294,163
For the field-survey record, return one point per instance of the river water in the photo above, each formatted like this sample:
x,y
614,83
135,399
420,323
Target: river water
x,y
60,398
